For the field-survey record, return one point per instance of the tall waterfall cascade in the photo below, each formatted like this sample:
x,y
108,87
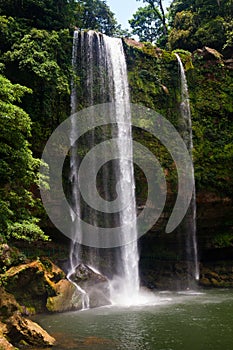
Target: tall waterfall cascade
x,y
186,121
100,62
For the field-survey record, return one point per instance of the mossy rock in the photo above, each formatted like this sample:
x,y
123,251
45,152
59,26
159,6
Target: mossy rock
x,y
32,284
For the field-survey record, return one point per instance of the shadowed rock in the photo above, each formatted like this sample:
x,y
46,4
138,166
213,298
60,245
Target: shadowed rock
x,y
26,332
41,286
94,283
18,329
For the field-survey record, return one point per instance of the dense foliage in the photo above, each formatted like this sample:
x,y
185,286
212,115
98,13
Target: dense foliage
x,y
96,15
198,23
35,63
154,81
149,23
17,167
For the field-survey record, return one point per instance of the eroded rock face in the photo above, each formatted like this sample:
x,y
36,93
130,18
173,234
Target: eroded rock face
x,y
94,283
4,343
220,276
67,298
24,331
41,286
17,328
8,304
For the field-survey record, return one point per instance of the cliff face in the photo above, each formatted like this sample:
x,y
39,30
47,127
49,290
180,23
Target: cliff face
x,y
155,82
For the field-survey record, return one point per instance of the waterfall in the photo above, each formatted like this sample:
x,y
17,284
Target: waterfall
x,y
100,63
190,220
75,248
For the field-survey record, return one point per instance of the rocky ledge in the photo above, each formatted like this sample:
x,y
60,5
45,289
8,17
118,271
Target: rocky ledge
x,y
16,328
40,286
28,288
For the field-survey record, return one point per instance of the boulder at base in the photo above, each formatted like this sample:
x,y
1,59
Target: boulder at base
x,y
67,298
24,331
41,286
17,329
4,343
94,283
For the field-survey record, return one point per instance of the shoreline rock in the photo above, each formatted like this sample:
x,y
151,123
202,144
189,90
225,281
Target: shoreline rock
x,y
15,329
25,332
40,286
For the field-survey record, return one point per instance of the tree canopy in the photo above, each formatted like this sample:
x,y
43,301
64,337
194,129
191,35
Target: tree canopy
x,y
149,23
17,167
42,14
96,15
198,23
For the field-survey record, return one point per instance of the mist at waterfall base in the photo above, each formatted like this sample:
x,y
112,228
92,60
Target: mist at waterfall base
x,y
176,322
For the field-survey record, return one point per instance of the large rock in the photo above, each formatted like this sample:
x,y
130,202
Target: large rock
x,y
4,343
30,284
67,298
41,286
18,329
8,304
26,332
94,284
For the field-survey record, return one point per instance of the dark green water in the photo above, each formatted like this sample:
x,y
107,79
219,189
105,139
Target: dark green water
x,y
175,322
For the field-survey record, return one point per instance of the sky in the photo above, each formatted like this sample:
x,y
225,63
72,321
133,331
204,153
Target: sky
x,y
124,9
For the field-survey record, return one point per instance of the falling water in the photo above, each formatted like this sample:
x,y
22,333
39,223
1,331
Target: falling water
x,y
75,248
188,139
100,62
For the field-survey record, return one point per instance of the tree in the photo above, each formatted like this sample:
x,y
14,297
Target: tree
x,y
17,167
42,14
147,25
41,61
157,7
95,15
198,23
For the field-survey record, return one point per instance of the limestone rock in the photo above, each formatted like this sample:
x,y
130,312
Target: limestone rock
x,y
4,343
23,330
94,283
29,284
16,328
8,304
33,283
67,298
